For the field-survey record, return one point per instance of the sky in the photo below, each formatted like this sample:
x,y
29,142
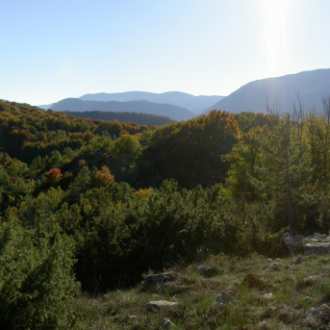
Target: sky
x,y
52,49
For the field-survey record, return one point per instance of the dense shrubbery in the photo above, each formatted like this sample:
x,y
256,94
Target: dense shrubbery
x,y
36,280
106,202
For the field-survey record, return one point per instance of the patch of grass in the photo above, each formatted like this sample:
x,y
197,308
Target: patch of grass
x,y
279,303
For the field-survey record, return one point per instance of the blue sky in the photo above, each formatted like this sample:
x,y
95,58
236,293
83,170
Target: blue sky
x,y
51,49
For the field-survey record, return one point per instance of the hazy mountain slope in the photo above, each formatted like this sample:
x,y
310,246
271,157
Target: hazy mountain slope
x,y
126,117
194,103
166,110
280,93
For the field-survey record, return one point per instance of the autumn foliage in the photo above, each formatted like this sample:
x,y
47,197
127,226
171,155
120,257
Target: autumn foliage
x,y
54,173
104,176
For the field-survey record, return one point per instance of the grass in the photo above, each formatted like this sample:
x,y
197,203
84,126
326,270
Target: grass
x,y
264,294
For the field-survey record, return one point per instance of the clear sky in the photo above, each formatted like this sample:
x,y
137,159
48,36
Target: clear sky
x,y
52,49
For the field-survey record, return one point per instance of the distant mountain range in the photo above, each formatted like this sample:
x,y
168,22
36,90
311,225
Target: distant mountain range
x,y
280,93
194,103
126,117
166,110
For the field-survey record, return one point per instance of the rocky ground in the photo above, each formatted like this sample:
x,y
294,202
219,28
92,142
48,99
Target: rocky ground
x,y
221,293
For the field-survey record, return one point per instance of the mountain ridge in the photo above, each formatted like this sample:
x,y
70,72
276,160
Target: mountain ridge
x,y
146,107
282,93
194,103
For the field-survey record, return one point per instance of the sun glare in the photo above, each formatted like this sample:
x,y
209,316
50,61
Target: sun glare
x,y
274,18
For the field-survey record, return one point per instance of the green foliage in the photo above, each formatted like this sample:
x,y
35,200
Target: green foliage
x,y
249,120
15,182
124,155
126,117
190,152
125,199
36,282
121,234
286,167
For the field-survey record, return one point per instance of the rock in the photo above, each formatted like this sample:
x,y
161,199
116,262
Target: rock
x,y
294,243
253,281
316,317
207,270
223,299
263,325
157,305
169,282
133,317
319,237
324,313
286,314
154,280
317,248
317,244
311,321
267,296
274,266
298,260
167,324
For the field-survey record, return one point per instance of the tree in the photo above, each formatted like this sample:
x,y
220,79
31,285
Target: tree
x,y
190,152
124,156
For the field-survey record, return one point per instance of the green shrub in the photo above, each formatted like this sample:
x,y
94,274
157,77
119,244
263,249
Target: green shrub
x,y
36,280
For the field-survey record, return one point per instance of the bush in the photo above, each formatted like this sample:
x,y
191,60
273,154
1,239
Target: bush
x,y
122,235
36,280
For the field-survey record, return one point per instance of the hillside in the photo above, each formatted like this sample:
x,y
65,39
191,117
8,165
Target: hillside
x,y
125,117
195,103
280,93
27,132
165,110
93,212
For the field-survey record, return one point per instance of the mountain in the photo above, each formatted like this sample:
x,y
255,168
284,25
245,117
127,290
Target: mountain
x,y
196,104
125,117
280,93
159,109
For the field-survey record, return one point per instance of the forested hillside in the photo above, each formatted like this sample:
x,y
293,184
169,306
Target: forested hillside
x,y
91,206
124,117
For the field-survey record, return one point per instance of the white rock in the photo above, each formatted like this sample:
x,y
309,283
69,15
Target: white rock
x,y
156,305
268,296
167,324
